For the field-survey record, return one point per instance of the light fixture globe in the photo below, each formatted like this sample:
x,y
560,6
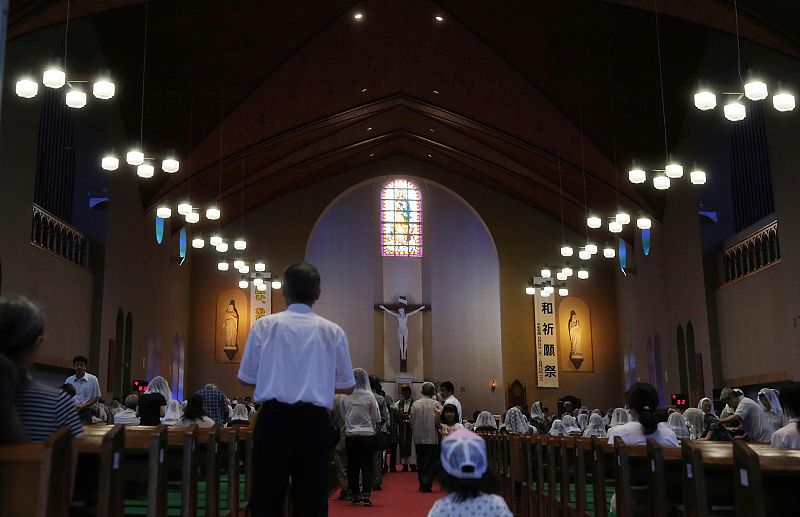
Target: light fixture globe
x,y
184,208
109,162
145,170
563,291
735,111
661,182
261,287
198,243
623,218
26,88
238,263
697,177
222,247
530,290
545,293
673,170
276,283
583,274
54,78
566,250
567,271
637,176
591,248
584,255
258,281
614,227
170,165
240,244
164,212
705,100
192,217
783,101
222,266
609,252
644,223
215,240
243,284
594,222
546,273
244,269
135,157
561,277
755,90
76,98
260,267
213,213
103,89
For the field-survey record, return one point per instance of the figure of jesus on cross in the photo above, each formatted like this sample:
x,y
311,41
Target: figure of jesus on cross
x,y
402,325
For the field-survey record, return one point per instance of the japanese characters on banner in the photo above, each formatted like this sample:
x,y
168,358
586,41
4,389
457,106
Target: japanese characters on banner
x,y
544,314
260,302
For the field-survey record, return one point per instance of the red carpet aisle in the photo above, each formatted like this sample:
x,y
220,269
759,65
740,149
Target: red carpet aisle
x,y
398,497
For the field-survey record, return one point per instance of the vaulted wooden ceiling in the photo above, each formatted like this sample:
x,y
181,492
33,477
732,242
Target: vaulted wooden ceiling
x,y
276,95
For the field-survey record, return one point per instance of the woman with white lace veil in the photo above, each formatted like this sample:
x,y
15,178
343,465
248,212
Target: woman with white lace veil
x,y
769,402
677,424
485,422
516,423
619,417
570,424
558,429
595,427
695,418
173,413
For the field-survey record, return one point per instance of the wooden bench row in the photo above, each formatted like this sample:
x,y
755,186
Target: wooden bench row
x,y
552,476
119,462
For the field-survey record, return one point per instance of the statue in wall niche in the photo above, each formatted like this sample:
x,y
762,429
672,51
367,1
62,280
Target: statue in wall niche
x,y
231,325
575,350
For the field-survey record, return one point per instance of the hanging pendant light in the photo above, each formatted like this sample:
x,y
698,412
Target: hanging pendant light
x,y
735,111
198,243
76,98
614,227
261,288
145,170
584,254
583,274
26,88
185,208
530,290
243,284
637,176
546,273
244,269
609,252
103,89
566,250
170,165
260,267
240,244
563,291
215,240
238,263
697,177
213,213
109,162
594,222
222,247
561,276
783,101
222,266
257,281
135,157
54,78
660,182
192,217
644,223
164,212
276,283
623,218
567,271
545,293
673,170
755,90
591,248
705,100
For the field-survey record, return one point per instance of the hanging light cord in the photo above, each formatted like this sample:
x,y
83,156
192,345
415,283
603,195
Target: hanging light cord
x,y
221,125
583,169
661,81
241,214
560,189
144,69
613,115
66,36
191,124
738,47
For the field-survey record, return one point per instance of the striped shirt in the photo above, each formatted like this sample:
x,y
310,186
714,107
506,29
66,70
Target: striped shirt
x,y
43,410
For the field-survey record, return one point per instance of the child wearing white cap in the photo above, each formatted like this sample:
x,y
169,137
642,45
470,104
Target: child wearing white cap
x,y
466,479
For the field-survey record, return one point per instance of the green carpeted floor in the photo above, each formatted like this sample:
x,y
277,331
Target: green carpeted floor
x,y
139,507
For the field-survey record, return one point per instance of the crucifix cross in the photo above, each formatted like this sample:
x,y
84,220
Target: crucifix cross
x,y
402,311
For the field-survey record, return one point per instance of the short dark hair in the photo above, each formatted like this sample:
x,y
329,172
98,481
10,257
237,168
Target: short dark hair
x,y
301,283
448,386
194,408
80,359
405,389
374,383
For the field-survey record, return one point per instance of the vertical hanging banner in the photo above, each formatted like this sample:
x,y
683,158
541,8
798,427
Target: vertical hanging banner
x,y
544,314
260,302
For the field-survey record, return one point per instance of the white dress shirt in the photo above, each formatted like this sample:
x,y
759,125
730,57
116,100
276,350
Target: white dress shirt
x,y
86,388
126,417
297,356
754,420
787,437
632,433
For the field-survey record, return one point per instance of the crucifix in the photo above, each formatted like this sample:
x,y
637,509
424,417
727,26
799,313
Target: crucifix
x,y
402,311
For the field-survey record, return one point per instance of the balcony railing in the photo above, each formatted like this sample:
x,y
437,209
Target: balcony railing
x,y
753,253
51,234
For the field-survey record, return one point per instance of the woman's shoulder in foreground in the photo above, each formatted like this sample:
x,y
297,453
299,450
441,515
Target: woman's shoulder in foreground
x,y
485,505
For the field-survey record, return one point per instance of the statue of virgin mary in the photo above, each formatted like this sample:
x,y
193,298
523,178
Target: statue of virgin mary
x,y
574,327
231,326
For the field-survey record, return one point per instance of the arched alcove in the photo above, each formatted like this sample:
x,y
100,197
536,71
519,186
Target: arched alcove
x,y
681,345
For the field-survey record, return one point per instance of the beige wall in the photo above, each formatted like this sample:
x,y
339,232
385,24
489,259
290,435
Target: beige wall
x,y
524,238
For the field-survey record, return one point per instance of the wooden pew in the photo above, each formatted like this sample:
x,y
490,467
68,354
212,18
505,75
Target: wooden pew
x,y
539,449
664,485
246,434
551,472
181,465
641,468
603,471
145,451
229,462
207,450
35,478
101,450
766,480
517,479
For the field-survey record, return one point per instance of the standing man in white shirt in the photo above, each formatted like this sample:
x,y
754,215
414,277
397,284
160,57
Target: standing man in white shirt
x,y
446,391
297,361
87,389
748,414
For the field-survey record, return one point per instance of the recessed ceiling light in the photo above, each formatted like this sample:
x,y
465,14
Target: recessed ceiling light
x,y
369,129
439,19
363,90
436,92
371,155
358,16
429,156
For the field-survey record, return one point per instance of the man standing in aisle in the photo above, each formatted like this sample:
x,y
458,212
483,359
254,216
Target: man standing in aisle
x,y
297,362
424,419
87,389
446,392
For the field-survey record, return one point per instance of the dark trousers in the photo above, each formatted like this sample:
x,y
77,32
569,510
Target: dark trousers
x,y
360,450
427,464
391,456
291,440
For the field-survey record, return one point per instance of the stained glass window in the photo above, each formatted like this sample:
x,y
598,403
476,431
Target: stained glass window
x,y
401,219
623,255
159,230
646,241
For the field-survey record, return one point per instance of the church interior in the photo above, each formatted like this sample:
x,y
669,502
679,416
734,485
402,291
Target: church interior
x,y
564,198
